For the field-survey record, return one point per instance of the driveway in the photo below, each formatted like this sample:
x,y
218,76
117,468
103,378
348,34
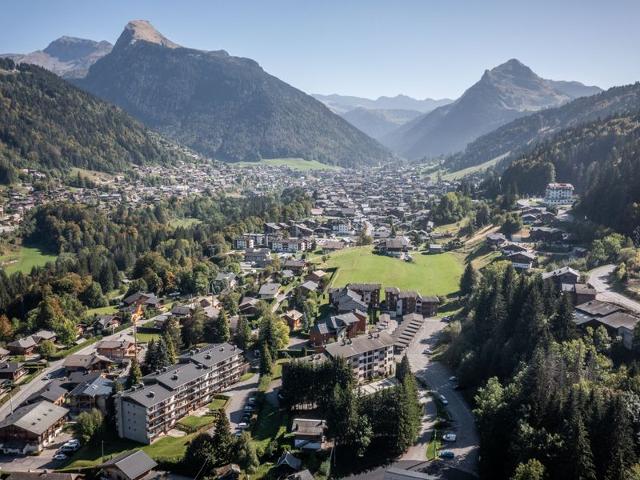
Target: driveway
x,y
436,375
600,279
239,394
25,463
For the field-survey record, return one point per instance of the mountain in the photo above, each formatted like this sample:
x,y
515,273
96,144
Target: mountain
x,y
506,92
68,57
343,103
222,106
378,123
601,158
521,135
47,123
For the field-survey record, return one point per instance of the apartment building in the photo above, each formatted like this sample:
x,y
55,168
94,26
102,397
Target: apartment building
x,y
559,194
370,355
152,408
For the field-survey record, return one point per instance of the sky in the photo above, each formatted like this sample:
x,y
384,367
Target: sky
x,y
421,48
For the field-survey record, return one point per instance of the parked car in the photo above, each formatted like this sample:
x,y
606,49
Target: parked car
x,y
443,399
453,379
449,437
427,351
251,400
248,408
446,454
59,456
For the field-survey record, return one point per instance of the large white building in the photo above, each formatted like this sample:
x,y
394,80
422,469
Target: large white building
x,y
370,355
559,194
151,409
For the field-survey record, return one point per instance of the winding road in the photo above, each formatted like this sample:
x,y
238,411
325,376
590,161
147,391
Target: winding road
x,y
600,279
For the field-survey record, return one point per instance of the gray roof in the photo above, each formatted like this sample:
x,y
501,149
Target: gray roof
x,y
26,342
100,387
269,289
360,344
598,308
132,464
85,360
52,392
35,418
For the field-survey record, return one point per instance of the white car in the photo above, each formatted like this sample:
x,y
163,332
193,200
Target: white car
x,y
74,442
453,379
449,437
443,399
243,425
59,456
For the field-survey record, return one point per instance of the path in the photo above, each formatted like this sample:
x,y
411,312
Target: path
x,y
600,279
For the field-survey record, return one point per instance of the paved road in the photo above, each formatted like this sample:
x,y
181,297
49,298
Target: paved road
x,y
436,375
600,279
54,370
239,394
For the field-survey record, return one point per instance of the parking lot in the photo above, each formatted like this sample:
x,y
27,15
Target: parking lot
x,y
25,463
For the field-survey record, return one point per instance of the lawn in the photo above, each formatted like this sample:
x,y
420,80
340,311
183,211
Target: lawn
x,y
102,310
298,164
218,403
271,424
193,423
146,337
24,259
428,274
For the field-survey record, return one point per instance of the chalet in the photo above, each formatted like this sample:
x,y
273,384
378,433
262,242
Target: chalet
x,y
269,291
23,346
346,300
405,302
496,239
294,319
225,280
260,257
52,392
331,245
4,353
522,260
436,248
394,245
508,248
370,292
12,371
144,299
92,394
86,363
106,322
133,465
309,287
564,275
248,306
31,428
44,475
308,433
296,266
346,325
42,335
546,234
317,275
590,313
118,349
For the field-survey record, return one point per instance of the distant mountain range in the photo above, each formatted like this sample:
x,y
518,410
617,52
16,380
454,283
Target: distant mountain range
x,y
506,92
47,123
222,106
68,57
345,103
378,123
521,135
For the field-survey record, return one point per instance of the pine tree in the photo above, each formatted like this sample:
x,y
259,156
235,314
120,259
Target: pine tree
x,y
245,454
266,362
222,439
243,333
151,356
199,459
171,329
562,324
172,355
469,280
579,460
135,374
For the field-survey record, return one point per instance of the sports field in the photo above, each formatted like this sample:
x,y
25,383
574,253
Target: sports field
x,y
427,274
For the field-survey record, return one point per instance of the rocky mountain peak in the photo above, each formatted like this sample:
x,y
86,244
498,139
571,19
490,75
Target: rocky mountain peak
x,y
143,31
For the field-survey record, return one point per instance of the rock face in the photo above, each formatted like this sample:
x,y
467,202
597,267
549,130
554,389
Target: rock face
x,y
508,91
68,57
222,106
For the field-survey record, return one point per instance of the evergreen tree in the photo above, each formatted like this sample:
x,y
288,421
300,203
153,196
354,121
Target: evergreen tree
x,y
266,362
563,326
469,280
579,460
245,454
135,374
171,329
222,439
532,470
199,459
242,335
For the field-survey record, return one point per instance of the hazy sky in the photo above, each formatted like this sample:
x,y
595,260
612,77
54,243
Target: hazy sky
x,y
421,48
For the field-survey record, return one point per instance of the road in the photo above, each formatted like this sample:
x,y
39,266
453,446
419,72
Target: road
x,y
54,370
436,375
600,279
239,394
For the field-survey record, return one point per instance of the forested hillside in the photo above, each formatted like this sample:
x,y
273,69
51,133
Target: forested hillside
x,y
46,123
521,135
602,160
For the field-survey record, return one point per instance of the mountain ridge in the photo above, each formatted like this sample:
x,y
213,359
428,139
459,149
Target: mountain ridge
x,y
223,106
504,93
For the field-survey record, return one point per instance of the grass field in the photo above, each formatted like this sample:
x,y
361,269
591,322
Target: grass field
x,y
428,274
24,259
298,164
146,337
184,222
109,309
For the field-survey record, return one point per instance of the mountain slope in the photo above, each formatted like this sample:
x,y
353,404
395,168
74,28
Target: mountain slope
x,y
508,91
602,160
222,106
46,123
344,103
522,134
377,123
68,57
